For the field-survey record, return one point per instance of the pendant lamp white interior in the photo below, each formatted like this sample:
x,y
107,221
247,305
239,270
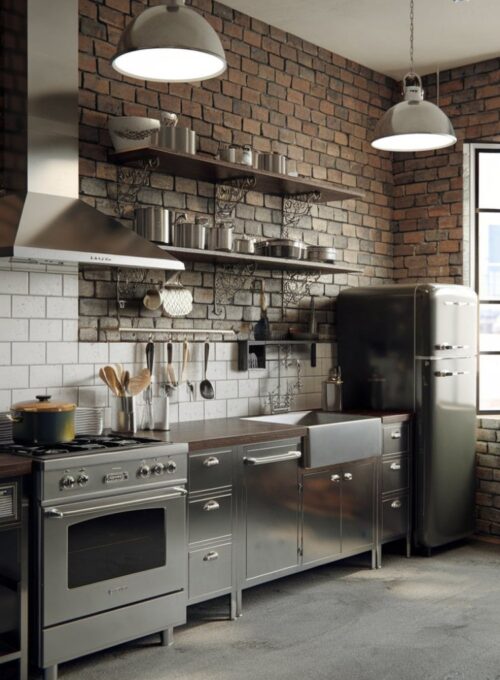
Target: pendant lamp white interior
x,y
170,43
414,124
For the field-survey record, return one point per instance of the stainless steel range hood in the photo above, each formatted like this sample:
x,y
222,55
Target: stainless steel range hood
x,y
41,215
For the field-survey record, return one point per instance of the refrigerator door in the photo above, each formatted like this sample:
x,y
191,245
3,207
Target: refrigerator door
x,y
444,450
446,320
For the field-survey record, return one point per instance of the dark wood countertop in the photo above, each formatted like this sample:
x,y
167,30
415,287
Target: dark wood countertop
x,y
14,466
211,434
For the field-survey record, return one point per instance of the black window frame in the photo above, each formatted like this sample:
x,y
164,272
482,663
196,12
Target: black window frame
x,y
476,212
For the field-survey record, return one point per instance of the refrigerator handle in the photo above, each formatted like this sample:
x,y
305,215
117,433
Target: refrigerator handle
x,y
445,345
448,374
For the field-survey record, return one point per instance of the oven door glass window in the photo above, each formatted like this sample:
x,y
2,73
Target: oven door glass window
x,y
116,545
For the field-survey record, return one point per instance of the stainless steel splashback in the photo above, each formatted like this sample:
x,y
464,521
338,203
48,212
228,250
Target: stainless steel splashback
x,y
41,216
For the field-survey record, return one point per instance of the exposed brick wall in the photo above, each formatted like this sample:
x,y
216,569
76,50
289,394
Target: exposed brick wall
x,y
428,187
279,93
488,476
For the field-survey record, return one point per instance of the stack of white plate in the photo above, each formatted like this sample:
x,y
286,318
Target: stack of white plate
x,y
89,420
5,428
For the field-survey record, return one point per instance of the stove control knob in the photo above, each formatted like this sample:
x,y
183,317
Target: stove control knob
x,y
144,471
158,469
83,479
171,466
68,482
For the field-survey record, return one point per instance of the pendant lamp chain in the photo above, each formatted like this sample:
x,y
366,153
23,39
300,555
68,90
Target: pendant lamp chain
x,y
412,17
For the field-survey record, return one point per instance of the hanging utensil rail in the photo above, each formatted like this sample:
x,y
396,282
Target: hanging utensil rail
x,y
178,331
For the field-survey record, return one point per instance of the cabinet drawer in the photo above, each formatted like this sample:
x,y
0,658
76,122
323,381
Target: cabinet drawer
x,y
209,517
394,517
209,570
395,474
210,469
396,437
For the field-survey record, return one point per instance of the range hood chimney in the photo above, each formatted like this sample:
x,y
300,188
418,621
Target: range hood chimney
x,y
41,216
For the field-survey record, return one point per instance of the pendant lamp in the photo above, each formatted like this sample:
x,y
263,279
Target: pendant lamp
x,y
170,43
414,124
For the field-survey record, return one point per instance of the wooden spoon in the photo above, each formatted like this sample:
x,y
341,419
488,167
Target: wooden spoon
x,y
103,377
138,383
113,381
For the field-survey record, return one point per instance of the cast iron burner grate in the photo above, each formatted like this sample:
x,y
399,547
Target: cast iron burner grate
x,y
80,444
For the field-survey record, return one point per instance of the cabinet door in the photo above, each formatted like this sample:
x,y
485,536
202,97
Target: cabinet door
x,y
321,498
270,509
358,508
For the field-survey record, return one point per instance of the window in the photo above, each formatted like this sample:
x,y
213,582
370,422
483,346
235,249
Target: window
x,y
486,223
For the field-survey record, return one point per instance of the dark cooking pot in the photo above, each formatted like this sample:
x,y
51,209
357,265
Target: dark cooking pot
x,y
42,421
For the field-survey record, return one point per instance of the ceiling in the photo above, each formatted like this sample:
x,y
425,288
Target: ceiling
x,y
375,33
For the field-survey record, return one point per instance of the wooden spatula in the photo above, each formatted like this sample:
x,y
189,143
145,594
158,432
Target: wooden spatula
x,y
138,383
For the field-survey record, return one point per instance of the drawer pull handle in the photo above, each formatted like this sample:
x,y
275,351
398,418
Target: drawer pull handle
x,y
347,476
335,478
396,504
396,434
211,505
211,556
395,466
211,461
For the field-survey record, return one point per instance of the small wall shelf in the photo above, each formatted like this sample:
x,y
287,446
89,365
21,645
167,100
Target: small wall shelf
x,y
262,262
258,347
209,169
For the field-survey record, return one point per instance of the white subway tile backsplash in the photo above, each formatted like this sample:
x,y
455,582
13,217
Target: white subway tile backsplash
x,y
45,329
28,307
62,352
27,353
93,353
13,329
70,330
45,284
226,389
14,377
80,375
62,308
14,282
70,285
191,411
5,400
5,306
5,354
49,375
216,408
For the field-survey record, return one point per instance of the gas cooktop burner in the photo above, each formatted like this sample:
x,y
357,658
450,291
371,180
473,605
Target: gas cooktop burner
x,y
80,444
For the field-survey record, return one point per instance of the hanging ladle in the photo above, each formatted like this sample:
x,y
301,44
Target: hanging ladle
x,y
206,387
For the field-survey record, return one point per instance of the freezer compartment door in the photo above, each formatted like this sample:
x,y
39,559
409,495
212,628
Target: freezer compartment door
x,y
446,321
444,451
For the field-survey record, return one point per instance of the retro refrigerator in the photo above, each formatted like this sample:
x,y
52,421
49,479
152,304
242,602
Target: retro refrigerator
x,y
414,347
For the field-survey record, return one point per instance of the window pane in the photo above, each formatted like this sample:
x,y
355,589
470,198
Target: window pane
x,y
489,180
489,328
489,383
489,256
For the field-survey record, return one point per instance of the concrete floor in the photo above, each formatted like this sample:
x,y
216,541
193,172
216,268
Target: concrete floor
x,y
417,619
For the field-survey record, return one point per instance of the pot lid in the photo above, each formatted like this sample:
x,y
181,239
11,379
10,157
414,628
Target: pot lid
x,y
43,405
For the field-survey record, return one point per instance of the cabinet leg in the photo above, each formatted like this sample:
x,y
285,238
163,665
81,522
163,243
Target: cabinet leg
x,y
50,673
379,556
408,546
167,637
236,604
374,558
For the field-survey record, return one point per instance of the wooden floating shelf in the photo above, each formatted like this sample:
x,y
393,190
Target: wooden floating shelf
x,y
209,169
262,262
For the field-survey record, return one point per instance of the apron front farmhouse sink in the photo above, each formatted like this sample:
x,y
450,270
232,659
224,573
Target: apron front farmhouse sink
x,y
332,438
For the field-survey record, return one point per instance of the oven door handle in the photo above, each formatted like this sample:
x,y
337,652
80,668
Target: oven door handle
x,y
278,458
59,514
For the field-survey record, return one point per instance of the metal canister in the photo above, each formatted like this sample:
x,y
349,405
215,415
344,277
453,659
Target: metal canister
x,y
178,139
331,392
154,224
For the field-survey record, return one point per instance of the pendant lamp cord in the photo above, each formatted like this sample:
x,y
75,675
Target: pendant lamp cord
x,y
412,17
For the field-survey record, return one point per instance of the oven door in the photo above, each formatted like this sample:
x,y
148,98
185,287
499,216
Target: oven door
x,y
101,555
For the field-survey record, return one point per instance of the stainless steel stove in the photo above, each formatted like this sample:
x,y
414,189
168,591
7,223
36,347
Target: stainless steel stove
x,y
110,543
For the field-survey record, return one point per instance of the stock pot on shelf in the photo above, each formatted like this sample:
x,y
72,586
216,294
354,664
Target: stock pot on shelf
x,y
42,421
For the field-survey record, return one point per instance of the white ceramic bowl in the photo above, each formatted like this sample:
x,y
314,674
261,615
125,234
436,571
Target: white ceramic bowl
x,y
132,132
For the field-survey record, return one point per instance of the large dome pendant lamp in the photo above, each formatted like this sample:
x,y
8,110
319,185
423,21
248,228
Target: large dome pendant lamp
x,y
414,124
170,43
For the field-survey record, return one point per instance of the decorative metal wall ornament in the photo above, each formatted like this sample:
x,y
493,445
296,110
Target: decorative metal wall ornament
x,y
229,193
228,280
132,284
278,401
129,181
295,207
297,285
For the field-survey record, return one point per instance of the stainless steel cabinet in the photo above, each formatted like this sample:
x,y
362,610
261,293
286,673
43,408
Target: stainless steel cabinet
x,y
269,510
339,511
